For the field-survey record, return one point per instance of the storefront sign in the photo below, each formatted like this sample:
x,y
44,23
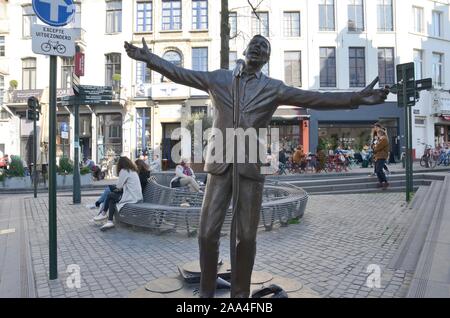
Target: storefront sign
x,y
21,96
79,64
64,130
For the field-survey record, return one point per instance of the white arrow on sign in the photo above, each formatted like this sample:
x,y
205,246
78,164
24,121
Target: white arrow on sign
x,y
54,8
50,40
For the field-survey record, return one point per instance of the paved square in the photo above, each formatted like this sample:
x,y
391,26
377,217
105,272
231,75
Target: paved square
x,y
329,251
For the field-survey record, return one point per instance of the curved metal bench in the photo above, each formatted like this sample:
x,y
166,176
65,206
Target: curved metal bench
x,y
174,209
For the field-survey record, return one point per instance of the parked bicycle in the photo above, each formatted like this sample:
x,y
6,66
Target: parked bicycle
x,y
429,158
444,157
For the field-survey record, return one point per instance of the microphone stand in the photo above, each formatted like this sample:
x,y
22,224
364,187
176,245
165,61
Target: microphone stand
x,y
235,182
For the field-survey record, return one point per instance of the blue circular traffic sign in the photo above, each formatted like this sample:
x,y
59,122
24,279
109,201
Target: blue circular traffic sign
x,y
54,12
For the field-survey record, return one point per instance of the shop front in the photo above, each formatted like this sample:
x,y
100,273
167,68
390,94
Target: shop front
x,y
143,132
109,135
352,129
293,127
442,132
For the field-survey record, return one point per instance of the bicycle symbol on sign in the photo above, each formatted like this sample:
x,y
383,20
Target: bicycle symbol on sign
x,y
47,46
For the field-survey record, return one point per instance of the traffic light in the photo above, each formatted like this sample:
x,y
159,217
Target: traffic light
x,y
406,78
32,112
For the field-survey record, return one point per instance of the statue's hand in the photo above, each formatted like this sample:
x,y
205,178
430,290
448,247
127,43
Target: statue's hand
x,y
371,96
139,54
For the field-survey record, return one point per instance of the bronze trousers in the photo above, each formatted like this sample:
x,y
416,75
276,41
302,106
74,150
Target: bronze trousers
x,y
216,202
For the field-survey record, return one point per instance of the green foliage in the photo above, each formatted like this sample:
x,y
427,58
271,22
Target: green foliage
x,y
85,170
294,221
65,166
13,84
117,77
2,176
206,124
16,168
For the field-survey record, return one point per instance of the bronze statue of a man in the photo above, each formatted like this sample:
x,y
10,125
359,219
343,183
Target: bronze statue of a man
x,y
259,97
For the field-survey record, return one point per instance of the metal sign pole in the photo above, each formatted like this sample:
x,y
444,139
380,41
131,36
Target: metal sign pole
x,y
35,152
52,172
76,197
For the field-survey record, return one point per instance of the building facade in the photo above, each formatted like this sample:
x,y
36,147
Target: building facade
x,y
327,45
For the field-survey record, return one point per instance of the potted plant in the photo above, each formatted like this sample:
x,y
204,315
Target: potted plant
x,y
13,84
14,177
65,172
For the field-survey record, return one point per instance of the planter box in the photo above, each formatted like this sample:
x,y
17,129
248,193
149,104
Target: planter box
x,y
67,180
16,183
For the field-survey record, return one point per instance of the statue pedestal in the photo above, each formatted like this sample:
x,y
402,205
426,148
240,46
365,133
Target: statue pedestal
x,y
186,285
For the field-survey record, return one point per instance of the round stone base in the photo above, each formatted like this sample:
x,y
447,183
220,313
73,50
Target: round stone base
x,y
294,289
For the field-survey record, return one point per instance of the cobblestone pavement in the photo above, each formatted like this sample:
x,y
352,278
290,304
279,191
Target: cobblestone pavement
x,y
329,251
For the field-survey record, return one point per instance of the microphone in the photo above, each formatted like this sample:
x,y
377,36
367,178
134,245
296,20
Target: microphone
x,y
240,64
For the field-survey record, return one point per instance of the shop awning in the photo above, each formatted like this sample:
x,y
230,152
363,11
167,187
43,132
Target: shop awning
x,y
446,117
290,112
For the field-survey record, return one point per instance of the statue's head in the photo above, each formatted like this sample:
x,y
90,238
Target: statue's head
x,y
257,52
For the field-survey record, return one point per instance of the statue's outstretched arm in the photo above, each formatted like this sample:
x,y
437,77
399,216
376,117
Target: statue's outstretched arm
x,y
196,79
288,95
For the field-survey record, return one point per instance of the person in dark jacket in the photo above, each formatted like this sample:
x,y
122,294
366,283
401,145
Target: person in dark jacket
x,y
143,172
381,153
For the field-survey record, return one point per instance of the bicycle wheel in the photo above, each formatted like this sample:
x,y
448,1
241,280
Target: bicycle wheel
x,y
61,49
423,162
46,47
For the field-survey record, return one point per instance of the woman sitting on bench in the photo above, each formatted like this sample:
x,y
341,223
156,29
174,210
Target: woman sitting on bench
x,y
128,190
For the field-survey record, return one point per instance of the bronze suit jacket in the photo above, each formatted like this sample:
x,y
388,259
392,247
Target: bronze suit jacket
x,y
256,105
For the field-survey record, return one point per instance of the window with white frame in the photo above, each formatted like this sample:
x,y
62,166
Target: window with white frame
x,y
144,16
171,15
232,21
143,73
438,69
437,23
327,67
200,59
385,15
67,68
112,70
417,14
293,68
2,88
291,24
260,23
357,66
113,16
28,19
29,73
356,15
2,46
418,64
386,66
199,15
173,57
326,15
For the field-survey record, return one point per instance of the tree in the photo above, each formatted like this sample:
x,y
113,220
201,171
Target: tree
x,y
224,35
225,31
